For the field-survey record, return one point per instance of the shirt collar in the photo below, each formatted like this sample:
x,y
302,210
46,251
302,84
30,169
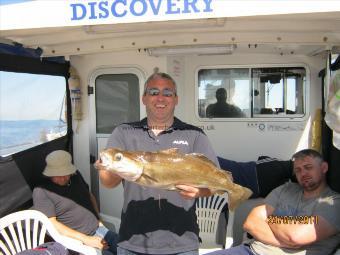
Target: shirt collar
x,y
177,124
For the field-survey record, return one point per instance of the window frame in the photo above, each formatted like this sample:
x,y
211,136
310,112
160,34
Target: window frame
x,y
263,117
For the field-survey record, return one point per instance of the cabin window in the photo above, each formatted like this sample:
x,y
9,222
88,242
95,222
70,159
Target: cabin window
x,y
224,93
32,110
243,93
117,100
278,91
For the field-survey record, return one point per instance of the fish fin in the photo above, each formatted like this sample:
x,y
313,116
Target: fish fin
x,y
202,157
113,148
170,151
217,191
149,178
228,174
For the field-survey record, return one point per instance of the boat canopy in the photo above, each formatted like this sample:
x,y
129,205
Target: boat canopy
x,y
27,14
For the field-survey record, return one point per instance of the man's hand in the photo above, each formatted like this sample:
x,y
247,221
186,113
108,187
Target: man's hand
x,y
256,225
93,241
189,192
307,231
96,242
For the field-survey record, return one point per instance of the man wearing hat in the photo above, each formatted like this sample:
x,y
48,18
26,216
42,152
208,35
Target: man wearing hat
x,y
66,200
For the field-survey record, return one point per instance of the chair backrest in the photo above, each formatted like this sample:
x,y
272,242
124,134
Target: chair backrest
x,y
21,231
239,216
27,229
208,211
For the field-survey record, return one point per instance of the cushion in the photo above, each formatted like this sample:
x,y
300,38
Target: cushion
x,y
244,173
271,173
261,176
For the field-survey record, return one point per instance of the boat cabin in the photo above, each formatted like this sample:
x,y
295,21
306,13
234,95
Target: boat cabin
x,y
71,71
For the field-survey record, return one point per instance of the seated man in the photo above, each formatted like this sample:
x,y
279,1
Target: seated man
x,y
297,218
221,108
65,198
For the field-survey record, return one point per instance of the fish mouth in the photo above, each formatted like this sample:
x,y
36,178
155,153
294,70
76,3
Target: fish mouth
x,y
104,160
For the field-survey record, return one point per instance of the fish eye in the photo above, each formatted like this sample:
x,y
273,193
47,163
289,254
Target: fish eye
x,y
118,157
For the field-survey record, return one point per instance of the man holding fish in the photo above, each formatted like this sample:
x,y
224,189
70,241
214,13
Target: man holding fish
x,y
155,220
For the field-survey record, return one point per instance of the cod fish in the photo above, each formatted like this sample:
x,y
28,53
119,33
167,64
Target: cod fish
x,y
167,168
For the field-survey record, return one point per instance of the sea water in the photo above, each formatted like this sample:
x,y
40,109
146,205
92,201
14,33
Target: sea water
x,y
17,135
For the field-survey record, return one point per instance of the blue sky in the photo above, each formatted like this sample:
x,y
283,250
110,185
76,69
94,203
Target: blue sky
x,y
30,96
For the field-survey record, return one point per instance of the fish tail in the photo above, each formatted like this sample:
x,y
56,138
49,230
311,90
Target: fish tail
x,y
233,201
219,192
235,198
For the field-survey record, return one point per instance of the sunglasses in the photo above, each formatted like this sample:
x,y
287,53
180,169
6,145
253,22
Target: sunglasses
x,y
155,92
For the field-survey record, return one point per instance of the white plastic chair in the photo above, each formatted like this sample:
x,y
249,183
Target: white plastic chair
x,y
241,213
27,229
208,211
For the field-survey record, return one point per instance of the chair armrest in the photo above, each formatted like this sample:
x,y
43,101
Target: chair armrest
x,y
75,245
68,242
229,240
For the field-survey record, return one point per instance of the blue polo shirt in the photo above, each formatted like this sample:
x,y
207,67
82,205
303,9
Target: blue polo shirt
x,y
157,221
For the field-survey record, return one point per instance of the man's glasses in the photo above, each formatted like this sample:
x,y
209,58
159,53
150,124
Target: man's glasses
x,y
155,92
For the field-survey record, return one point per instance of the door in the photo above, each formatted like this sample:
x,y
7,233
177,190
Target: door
x,y
116,99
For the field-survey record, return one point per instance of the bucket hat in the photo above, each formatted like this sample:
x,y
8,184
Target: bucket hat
x,y
59,163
